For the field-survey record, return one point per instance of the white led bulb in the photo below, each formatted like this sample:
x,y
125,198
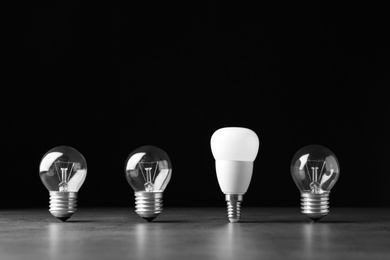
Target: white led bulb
x,y
234,150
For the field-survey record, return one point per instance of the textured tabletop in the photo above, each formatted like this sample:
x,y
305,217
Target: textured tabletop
x,y
195,233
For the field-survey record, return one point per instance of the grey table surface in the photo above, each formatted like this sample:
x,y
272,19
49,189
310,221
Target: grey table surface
x,y
195,233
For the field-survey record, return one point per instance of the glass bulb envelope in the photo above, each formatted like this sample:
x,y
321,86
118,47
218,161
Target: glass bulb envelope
x,y
63,169
315,169
148,169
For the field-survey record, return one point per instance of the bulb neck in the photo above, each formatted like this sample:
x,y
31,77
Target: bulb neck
x,y
63,204
148,205
234,206
234,177
315,206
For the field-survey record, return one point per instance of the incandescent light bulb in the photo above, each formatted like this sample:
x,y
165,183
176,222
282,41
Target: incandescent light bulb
x,y
148,170
234,150
63,170
315,170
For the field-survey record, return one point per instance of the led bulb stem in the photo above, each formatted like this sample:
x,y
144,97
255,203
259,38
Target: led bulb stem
x,y
234,206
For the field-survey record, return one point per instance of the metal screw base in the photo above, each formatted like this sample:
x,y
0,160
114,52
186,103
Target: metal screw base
x,y
234,206
63,204
315,206
148,205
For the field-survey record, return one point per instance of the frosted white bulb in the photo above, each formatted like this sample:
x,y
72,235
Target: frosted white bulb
x,y
148,170
315,170
63,170
234,150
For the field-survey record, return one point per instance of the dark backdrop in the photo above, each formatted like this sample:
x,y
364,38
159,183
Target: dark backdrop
x,y
108,78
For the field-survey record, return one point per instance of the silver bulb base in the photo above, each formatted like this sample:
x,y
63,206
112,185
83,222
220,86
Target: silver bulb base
x,y
315,206
234,206
148,205
63,204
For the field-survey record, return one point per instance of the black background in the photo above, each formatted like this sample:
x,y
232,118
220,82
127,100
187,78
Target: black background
x,y
106,79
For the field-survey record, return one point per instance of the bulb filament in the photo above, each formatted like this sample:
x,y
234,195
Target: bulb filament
x,y
315,177
64,172
63,184
149,176
149,185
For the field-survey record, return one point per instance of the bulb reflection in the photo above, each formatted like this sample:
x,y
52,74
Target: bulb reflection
x,y
316,240
149,242
55,239
230,243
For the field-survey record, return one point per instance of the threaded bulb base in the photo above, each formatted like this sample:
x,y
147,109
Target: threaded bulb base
x,y
148,205
63,204
315,206
234,207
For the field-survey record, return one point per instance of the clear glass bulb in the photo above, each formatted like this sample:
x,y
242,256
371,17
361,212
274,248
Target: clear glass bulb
x,y
63,170
315,170
148,170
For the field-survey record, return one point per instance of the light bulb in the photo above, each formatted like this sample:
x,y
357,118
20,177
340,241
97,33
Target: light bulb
x,y
63,170
315,170
148,170
234,150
